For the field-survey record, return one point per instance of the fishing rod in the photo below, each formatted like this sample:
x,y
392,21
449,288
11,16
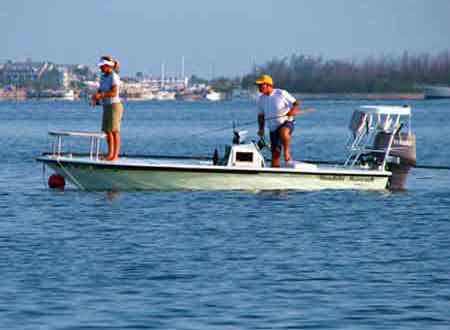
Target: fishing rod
x,y
307,110
248,123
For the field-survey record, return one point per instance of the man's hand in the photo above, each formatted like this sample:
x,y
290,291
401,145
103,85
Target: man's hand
x,y
96,98
294,110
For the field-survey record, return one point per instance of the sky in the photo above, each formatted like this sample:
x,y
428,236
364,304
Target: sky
x,y
217,38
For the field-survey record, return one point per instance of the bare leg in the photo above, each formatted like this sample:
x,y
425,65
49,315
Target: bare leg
x,y
276,155
116,145
110,143
285,137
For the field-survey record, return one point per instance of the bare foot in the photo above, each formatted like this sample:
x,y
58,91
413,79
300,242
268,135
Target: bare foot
x,y
110,158
107,157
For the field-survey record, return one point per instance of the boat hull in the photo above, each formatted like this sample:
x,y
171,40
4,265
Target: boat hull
x,y
111,176
437,92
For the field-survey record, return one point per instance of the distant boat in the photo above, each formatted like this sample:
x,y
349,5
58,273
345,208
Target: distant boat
x,y
165,96
138,94
189,97
437,92
68,95
213,96
61,94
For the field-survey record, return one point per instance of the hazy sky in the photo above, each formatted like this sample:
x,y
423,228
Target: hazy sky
x,y
228,36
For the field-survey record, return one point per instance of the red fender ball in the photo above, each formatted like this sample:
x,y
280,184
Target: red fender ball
x,y
56,181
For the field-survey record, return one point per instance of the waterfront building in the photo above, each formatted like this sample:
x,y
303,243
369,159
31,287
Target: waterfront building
x,y
171,83
22,73
63,77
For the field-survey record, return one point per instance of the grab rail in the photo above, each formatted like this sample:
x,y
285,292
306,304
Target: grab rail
x,y
95,140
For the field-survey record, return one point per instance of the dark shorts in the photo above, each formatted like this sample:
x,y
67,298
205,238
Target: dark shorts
x,y
275,140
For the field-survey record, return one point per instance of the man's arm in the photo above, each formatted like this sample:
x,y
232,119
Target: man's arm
x,y
98,96
294,110
112,93
261,123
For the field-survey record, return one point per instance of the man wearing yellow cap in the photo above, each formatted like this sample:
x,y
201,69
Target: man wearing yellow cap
x,y
276,107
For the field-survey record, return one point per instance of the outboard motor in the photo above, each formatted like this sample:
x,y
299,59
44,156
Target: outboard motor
x,y
401,158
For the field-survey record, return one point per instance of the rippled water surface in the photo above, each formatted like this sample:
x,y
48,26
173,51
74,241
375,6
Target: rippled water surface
x,y
220,260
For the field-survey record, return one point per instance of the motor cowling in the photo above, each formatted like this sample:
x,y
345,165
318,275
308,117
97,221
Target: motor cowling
x,y
402,156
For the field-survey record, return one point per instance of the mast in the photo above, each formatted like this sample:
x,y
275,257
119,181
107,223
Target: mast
x,y
163,68
182,67
183,73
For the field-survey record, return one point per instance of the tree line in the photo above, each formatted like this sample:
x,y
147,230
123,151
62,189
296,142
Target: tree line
x,y
384,74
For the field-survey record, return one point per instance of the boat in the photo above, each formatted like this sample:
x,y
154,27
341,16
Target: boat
x,y
214,96
380,153
136,92
436,92
164,96
57,94
190,97
68,95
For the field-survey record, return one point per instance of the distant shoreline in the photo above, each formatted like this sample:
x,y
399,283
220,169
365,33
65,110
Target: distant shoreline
x,y
300,96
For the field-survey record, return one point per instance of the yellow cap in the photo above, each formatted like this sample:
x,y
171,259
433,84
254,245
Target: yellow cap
x,y
265,79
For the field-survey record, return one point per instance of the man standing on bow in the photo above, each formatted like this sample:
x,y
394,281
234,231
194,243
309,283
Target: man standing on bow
x,y
276,107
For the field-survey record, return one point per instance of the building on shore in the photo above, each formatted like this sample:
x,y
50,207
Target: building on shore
x,y
22,73
169,83
31,79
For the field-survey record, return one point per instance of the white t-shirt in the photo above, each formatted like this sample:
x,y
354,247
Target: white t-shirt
x,y
275,106
106,84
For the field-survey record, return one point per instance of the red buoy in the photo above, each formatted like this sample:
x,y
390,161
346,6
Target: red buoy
x,y
56,181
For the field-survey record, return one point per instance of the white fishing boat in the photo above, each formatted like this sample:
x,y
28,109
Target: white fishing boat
x,y
381,151
436,92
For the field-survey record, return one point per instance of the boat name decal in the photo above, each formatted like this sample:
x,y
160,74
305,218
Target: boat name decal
x,y
346,178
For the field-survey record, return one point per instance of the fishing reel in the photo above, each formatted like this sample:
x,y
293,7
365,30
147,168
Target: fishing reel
x,y
262,143
239,137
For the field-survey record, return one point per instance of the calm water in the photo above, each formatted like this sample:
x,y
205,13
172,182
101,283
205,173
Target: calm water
x,y
222,260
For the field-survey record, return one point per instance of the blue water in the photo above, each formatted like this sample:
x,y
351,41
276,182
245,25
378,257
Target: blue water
x,y
220,260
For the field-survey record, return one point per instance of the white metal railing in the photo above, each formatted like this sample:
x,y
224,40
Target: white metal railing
x,y
364,140
95,141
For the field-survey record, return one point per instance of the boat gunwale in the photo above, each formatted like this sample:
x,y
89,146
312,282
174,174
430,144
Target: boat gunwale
x,y
210,168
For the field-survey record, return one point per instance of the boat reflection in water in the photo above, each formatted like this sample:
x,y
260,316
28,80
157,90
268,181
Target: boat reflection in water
x,y
381,152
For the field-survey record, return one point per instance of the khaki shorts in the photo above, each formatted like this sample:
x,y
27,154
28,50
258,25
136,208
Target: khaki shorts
x,y
112,117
